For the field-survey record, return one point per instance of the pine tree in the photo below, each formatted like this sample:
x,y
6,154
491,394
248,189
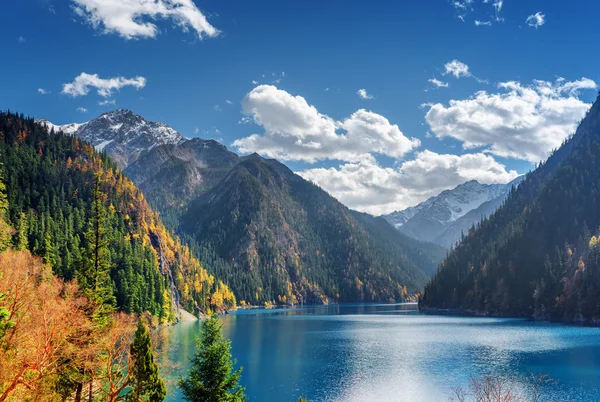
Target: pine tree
x,y
5,229
21,240
211,378
94,273
146,383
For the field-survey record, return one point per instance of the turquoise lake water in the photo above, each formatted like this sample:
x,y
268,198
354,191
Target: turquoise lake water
x,y
357,353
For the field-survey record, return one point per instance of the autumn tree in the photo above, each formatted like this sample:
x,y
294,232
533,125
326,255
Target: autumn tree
x,y
146,382
212,377
44,314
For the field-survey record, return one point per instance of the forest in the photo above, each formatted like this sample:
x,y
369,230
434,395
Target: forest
x,y
61,194
538,254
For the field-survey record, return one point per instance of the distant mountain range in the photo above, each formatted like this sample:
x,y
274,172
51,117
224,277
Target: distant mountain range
x,y
443,219
272,236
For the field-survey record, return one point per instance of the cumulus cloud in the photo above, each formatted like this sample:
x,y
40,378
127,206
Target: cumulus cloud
x,y
82,110
370,187
363,94
133,19
105,86
297,131
521,121
536,20
43,91
437,83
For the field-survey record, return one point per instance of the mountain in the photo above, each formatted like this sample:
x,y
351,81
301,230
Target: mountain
x,y
273,237
442,219
538,254
122,134
171,175
251,222
53,200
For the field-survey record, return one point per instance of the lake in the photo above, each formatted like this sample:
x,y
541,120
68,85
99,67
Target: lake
x,y
383,352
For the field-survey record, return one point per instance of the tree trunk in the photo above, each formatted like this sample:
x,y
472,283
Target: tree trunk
x,y
90,393
78,392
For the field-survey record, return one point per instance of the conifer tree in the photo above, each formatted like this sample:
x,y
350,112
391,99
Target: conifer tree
x,y
5,229
146,383
212,377
21,240
94,273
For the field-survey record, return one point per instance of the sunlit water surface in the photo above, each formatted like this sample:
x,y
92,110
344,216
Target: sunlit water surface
x,y
392,353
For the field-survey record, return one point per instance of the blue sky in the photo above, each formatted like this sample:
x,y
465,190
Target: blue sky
x,y
291,71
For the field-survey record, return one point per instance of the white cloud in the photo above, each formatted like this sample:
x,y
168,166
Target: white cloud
x,y
457,69
82,110
369,187
134,19
536,20
21,39
196,130
108,102
465,7
483,23
364,94
254,82
83,82
229,102
296,131
522,122
218,108
43,91
438,83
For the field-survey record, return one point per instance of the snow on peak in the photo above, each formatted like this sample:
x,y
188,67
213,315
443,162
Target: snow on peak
x,y
123,134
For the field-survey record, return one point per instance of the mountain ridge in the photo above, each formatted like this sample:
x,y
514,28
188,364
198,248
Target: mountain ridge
x,y
441,219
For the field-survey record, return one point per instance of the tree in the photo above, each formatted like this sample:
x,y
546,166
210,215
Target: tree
x,y
212,377
146,383
5,229
21,240
94,274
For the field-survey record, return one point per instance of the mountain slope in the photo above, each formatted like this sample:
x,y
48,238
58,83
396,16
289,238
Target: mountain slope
x,y
122,134
171,175
536,254
179,179
441,219
276,237
50,179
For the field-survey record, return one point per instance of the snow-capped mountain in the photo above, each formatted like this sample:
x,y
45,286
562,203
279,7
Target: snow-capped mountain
x,y
442,218
122,134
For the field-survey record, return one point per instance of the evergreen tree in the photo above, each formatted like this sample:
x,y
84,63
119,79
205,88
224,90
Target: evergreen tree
x,y
21,240
212,377
147,385
5,229
94,274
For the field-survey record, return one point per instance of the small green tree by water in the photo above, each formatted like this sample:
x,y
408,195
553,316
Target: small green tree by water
x,y
147,384
212,377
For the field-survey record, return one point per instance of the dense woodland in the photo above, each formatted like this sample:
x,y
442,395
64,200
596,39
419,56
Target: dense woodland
x,y
276,238
62,195
538,254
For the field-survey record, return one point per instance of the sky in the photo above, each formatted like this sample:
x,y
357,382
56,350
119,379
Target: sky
x,y
381,103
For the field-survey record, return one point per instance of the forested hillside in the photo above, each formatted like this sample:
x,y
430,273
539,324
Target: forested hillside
x,y
74,208
276,238
538,254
